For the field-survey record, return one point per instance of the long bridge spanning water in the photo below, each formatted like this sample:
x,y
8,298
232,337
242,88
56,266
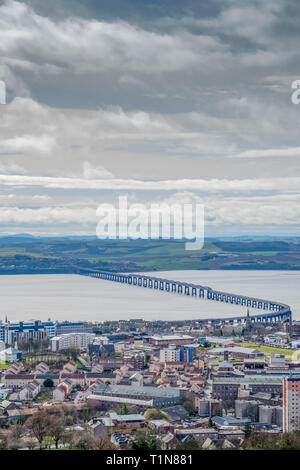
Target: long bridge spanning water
x,y
271,312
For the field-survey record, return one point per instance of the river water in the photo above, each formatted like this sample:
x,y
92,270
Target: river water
x,y
73,297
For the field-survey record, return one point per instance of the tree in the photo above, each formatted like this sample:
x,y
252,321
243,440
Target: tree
x,y
48,383
86,414
20,420
154,413
39,426
289,441
144,442
247,429
56,428
226,404
124,410
73,352
16,431
71,438
191,444
261,441
85,441
103,443
188,405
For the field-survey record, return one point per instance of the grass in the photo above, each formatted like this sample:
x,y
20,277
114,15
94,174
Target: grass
x,y
64,448
4,365
11,254
269,349
43,397
262,253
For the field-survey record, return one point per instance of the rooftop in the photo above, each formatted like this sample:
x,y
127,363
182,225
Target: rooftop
x,y
141,391
170,337
259,379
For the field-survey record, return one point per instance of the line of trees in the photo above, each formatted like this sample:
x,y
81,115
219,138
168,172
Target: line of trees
x,y
46,428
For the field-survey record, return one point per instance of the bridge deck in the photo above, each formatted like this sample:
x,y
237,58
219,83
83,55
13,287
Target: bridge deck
x,y
273,311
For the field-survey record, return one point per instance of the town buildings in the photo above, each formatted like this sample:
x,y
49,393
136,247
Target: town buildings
x,y
291,404
69,340
140,396
190,384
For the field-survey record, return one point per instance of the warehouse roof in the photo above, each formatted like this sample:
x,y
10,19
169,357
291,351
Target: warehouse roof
x,y
140,391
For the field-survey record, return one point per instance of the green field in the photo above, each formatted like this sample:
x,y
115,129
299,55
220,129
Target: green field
x,y
60,255
269,349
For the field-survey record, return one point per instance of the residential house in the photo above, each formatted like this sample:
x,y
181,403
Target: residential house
x,y
29,391
10,355
69,368
169,442
14,368
17,380
42,368
76,378
160,426
61,392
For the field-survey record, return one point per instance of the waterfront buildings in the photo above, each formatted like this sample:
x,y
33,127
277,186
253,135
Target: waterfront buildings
x,y
72,327
35,329
65,341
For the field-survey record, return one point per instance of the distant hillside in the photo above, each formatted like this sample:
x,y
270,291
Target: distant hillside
x,y
22,254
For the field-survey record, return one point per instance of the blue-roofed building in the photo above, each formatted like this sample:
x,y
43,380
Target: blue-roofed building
x,y
27,329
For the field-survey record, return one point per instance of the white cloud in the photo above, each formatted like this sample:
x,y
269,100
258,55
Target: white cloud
x,y
200,113
209,186
43,144
270,153
93,46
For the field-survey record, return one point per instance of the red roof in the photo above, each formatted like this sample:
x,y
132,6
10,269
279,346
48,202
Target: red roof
x,y
19,376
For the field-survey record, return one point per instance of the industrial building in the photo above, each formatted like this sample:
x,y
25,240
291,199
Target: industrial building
x,y
143,396
226,388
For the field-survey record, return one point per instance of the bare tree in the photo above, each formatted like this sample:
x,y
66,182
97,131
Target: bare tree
x,y
39,425
103,443
56,428
16,431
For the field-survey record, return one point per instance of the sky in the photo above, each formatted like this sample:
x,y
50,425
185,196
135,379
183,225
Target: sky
x,y
163,101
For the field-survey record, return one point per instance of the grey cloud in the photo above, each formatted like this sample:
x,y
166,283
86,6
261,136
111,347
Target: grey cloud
x,y
149,97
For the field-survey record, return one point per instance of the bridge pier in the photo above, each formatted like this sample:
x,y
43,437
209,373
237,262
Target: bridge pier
x,y
281,312
186,290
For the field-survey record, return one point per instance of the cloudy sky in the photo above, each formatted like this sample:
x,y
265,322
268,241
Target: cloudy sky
x,y
159,100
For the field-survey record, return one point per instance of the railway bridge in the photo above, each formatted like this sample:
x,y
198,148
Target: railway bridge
x,y
271,311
